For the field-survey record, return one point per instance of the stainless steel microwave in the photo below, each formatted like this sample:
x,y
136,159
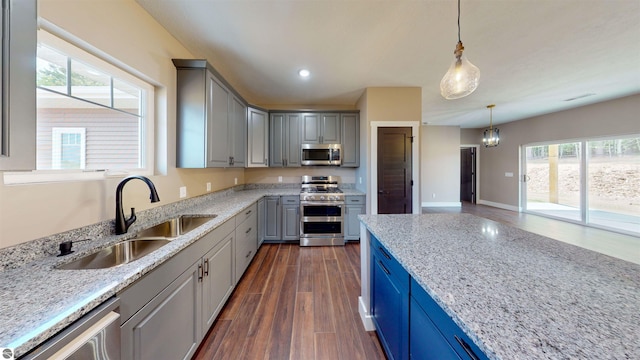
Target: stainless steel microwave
x,y
321,154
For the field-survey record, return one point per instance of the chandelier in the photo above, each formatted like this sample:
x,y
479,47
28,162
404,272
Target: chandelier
x,y
491,136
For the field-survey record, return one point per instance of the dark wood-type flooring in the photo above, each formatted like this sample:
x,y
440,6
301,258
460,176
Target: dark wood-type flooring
x,y
294,303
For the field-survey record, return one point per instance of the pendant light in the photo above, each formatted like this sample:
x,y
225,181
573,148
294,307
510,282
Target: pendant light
x,y
462,77
491,136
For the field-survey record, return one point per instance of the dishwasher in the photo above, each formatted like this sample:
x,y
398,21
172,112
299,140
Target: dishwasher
x,y
95,336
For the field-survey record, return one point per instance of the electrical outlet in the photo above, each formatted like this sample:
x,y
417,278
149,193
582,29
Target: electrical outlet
x,y
433,195
235,181
508,174
279,178
183,192
360,179
208,186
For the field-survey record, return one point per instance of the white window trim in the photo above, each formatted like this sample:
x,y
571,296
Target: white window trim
x,y
56,145
76,48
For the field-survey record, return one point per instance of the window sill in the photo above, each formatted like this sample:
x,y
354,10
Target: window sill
x,y
38,177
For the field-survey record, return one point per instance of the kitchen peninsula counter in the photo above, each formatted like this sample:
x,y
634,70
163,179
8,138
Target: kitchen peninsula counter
x,y
516,294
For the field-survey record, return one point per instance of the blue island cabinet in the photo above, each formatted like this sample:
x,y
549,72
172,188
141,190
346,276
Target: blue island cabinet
x,y
410,324
390,301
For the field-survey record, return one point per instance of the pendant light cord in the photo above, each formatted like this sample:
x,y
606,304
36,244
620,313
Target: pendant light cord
x,y
458,20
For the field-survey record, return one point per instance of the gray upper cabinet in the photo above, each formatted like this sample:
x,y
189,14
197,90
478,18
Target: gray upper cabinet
x,y
351,140
284,139
320,128
258,138
18,25
212,119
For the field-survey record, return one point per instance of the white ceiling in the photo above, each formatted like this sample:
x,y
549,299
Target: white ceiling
x,y
532,54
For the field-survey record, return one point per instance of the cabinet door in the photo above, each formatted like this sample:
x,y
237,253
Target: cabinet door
x,y
257,138
218,280
217,123
169,326
292,140
290,219
311,129
351,222
425,341
238,133
390,310
277,125
330,129
262,220
273,218
350,140
246,244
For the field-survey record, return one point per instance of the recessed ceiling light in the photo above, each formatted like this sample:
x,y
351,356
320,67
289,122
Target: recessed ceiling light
x,y
304,73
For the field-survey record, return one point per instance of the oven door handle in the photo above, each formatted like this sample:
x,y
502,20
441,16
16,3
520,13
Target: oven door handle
x,y
321,203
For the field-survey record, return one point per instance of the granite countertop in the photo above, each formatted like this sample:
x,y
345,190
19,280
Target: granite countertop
x,y
37,301
519,295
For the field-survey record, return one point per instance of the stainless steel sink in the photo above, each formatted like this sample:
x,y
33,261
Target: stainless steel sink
x,y
144,243
118,254
175,227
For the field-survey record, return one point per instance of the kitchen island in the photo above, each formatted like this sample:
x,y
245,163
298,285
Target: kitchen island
x,y
516,294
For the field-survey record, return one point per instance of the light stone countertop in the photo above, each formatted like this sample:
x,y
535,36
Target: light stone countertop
x,y
37,301
519,295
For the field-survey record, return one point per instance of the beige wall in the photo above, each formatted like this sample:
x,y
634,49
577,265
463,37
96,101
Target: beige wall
x,y
126,32
293,175
615,117
384,104
440,166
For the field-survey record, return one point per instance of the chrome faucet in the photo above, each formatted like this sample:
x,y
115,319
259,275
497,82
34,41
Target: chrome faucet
x,y
122,224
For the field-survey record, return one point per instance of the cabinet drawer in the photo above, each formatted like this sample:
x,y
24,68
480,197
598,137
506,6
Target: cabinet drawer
x,y
389,264
291,200
354,199
454,335
246,213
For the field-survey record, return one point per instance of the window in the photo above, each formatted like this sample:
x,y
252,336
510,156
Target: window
x,y
91,115
594,182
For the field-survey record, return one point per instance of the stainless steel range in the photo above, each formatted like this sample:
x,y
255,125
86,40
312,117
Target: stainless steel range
x,y
321,211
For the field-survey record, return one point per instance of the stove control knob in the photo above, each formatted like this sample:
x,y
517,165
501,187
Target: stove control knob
x,y
321,197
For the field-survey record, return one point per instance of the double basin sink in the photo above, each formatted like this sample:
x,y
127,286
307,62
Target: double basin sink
x,y
145,242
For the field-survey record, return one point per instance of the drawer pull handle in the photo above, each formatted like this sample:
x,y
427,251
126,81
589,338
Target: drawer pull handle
x,y
206,267
248,231
200,275
386,271
466,347
249,254
248,212
384,252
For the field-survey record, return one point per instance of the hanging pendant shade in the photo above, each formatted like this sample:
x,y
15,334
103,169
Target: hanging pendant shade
x,y
463,77
491,136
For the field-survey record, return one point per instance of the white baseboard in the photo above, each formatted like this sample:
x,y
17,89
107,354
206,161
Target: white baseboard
x,y
367,320
442,204
499,205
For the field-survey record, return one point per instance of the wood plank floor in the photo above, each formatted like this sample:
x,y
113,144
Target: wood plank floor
x,y
294,303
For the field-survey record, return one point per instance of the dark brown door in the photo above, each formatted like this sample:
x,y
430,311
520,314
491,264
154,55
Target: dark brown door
x,y
468,175
394,170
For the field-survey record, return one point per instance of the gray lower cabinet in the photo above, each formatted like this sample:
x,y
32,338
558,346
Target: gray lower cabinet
x,y
168,311
246,239
282,218
354,206
273,218
218,280
291,218
167,327
262,220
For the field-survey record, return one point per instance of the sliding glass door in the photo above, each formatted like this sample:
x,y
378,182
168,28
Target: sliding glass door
x,y
594,182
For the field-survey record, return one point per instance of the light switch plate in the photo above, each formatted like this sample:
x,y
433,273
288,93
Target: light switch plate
x,y
183,192
208,186
508,174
